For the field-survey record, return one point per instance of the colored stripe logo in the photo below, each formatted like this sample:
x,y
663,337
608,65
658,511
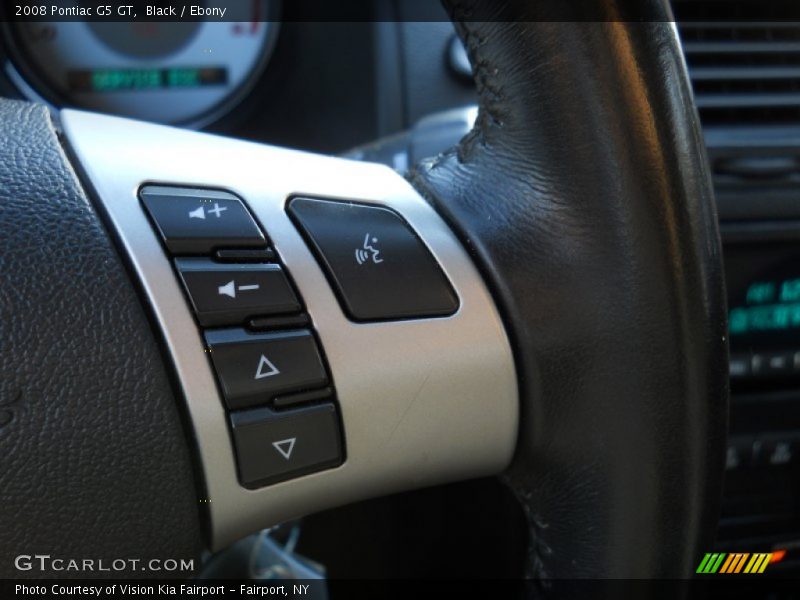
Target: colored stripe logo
x,y
734,562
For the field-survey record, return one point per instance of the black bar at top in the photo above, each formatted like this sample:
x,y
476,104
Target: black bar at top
x,y
392,10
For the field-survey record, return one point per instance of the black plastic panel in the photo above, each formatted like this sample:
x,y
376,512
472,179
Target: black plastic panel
x,y
378,266
226,294
197,221
273,446
254,368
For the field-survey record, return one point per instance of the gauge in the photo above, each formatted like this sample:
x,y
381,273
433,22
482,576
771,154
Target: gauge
x,y
172,72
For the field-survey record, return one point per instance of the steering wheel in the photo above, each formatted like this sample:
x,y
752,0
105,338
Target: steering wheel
x,y
571,338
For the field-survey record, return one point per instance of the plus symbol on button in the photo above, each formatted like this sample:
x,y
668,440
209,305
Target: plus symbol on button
x,y
217,209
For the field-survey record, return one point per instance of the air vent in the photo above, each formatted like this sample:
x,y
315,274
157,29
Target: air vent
x,y
744,72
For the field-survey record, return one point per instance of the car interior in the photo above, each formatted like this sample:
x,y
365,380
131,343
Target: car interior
x,y
494,291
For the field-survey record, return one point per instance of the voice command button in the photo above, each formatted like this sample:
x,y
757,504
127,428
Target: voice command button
x,y
378,266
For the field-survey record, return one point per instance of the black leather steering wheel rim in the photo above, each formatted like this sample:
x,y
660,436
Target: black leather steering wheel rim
x,y
599,237
583,195
96,462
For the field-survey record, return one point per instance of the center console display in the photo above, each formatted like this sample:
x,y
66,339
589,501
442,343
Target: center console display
x,y
761,502
764,311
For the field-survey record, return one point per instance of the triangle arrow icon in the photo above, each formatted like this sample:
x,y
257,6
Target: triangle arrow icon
x,y
285,447
265,368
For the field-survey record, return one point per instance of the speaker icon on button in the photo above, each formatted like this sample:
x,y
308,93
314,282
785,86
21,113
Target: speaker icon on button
x,y
230,288
200,211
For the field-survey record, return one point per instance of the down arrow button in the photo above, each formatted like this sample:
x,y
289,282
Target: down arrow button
x,y
272,446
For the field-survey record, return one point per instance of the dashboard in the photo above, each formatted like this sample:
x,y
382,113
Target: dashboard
x,y
324,87
186,72
281,86
333,87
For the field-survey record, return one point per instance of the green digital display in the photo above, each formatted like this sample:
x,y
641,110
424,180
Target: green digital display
x,y
118,80
769,306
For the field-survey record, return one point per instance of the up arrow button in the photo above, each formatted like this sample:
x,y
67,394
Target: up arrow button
x,y
255,368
